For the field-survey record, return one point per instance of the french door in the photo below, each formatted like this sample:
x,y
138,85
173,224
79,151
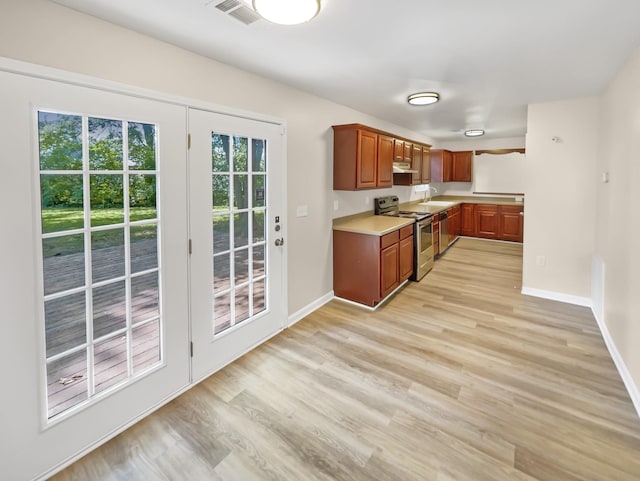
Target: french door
x,y
237,234
94,298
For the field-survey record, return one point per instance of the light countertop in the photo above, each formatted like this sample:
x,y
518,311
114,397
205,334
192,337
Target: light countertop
x,y
371,224
367,223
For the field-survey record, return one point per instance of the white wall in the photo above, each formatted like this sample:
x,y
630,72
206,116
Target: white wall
x,y
618,218
45,33
560,198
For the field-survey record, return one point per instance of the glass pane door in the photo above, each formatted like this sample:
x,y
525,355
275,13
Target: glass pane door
x,y
238,296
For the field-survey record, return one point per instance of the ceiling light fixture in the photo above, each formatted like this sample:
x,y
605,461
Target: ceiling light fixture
x,y
287,12
474,133
423,98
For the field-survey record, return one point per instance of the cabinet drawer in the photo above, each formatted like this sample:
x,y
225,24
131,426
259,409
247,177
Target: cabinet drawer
x,y
406,231
389,239
511,209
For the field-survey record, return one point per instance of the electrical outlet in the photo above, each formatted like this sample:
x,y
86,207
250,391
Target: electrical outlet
x,y
541,261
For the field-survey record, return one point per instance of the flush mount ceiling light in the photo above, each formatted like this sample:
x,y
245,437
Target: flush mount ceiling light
x,y
287,12
474,133
423,98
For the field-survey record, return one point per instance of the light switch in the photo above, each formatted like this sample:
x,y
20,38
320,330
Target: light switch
x,y
336,205
302,211
605,177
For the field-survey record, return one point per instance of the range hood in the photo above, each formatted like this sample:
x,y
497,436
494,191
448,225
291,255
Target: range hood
x,y
403,168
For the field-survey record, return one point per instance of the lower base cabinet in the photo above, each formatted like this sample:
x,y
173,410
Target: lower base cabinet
x,y
511,223
491,221
436,235
367,268
487,221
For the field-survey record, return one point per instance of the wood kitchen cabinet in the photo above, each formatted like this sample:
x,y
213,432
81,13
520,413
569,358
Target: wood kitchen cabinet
x,y
461,166
367,268
487,221
407,152
362,159
385,161
454,223
398,150
406,253
436,234
416,164
468,220
426,165
511,223
389,269
490,221
421,174
441,164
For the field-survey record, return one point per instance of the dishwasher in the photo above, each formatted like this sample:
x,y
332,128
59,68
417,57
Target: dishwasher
x,y
444,231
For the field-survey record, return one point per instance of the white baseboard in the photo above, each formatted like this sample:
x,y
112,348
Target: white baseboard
x,y
557,296
632,389
309,308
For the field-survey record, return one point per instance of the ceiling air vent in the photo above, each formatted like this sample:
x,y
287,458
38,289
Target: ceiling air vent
x,y
238,10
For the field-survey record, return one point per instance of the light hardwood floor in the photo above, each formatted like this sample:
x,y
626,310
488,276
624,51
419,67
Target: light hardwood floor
x,y
458,377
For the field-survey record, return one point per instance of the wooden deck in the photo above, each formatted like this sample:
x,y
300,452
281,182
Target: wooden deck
x,y
66,317
457,378
66,321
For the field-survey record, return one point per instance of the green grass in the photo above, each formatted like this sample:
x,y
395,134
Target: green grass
x,y
64,219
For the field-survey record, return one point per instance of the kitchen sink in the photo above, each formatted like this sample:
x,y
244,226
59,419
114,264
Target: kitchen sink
x,y
438,203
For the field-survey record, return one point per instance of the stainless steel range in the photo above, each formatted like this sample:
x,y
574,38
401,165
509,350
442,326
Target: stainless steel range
x,y
423,254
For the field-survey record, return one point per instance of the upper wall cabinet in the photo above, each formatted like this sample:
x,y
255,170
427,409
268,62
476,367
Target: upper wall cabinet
x,y
355,158
461,166
441,165
447,166
426,165
363,158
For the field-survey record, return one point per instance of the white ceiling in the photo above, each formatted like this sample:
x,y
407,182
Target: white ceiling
x,y
488,59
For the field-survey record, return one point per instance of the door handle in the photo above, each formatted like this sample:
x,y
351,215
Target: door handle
x,y
280,242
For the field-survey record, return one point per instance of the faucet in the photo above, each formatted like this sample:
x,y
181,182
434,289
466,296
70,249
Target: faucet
x,y
428,191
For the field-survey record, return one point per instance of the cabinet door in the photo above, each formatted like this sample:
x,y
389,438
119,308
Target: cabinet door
x,y
454,225
487,221
406,258
385,161
398,150
461,166
446,166
468,220
408,152
426,165
416,164
511,223
389,267
366,159
440,165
